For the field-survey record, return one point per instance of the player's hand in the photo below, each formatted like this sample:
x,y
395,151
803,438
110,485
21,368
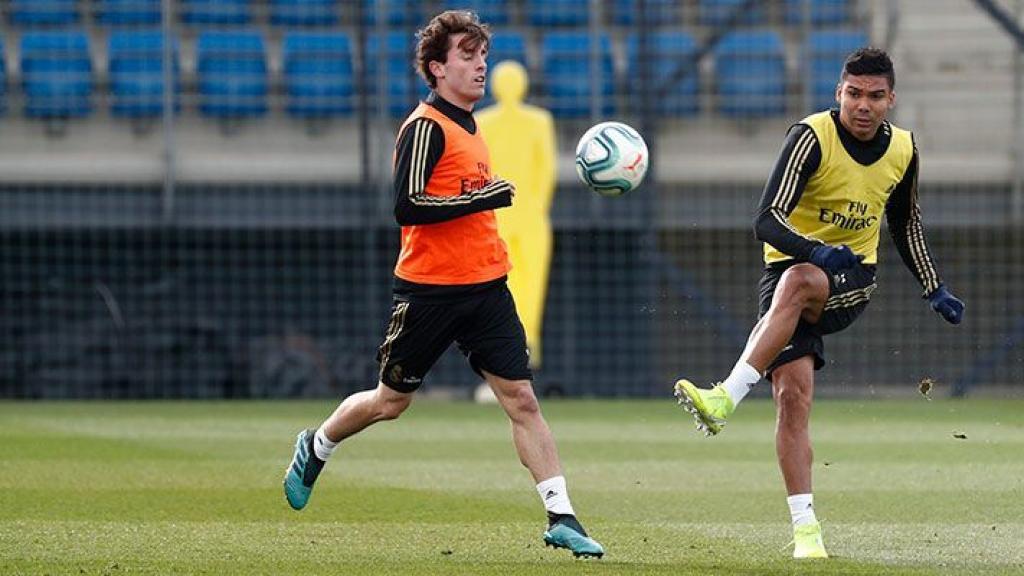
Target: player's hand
x,y
948,306
834,258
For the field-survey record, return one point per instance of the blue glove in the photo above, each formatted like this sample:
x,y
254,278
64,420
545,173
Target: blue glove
x,y
948,306
832,259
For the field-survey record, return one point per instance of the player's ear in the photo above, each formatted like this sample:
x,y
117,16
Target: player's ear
x,y
892,99
839,91
436,68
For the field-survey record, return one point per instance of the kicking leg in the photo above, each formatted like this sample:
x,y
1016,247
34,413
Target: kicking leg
x,y
799,295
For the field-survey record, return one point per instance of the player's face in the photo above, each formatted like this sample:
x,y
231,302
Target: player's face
x,y
461,80
864,102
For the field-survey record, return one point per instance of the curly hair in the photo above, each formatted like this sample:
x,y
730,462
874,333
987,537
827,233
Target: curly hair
x,y
870,62
435,39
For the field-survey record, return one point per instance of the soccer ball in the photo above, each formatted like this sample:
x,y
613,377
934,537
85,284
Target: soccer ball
x,y
611,158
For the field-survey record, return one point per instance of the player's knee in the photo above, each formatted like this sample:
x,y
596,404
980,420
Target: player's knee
x,y
792,401
392,407
802,283
520,401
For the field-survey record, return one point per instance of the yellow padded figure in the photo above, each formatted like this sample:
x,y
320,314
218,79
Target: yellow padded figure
x,y
521,139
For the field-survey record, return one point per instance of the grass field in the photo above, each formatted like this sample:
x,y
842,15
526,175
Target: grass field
x,y
195,488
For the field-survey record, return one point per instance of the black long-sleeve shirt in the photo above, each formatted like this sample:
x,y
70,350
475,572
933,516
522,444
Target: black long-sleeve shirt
x,y
419,148
798,161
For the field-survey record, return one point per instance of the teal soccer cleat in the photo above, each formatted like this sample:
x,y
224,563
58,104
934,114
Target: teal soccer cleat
x,y
566,532
303,471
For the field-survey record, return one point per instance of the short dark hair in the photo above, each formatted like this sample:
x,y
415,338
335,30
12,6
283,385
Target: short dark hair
x,y
870,61
435,39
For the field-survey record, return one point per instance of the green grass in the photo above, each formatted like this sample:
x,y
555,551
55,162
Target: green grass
x,y
195,488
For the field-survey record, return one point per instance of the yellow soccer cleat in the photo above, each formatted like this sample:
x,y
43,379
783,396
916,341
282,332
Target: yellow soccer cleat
x,y
710,408
807,541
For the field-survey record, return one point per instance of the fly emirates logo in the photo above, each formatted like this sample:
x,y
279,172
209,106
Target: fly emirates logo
x,y
854,217
478,181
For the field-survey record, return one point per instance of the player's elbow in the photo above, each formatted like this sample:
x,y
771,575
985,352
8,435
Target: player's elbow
x,y
763,225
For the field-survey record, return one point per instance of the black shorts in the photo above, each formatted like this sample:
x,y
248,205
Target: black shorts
x,y
849,292
485,325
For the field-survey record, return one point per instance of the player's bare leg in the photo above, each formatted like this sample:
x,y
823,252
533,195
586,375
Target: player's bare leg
x,y
313,447
800,295
793,391
536,449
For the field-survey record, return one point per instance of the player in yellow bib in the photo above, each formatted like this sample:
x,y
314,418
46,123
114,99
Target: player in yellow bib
x,y
819,218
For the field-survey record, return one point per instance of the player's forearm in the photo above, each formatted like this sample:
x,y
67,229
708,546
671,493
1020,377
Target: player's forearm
x,y
773,228
903,214
413,214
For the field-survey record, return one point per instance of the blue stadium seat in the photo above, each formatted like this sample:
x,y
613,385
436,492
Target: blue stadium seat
x,y
43,12
669,50
543,13
405,87
232,73
136,73
128,12
659,12
215,12
317,74
717,12
303,12
399,13
823,12
568,73
56,74
826,50
493,12
750,74
505,45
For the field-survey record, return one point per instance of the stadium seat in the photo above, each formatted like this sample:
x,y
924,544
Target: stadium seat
x,y
231,68
136,73
404,86
716,13
750,74
823,12
659,12
493,12
56,74
399,13
568,74
215,12
826,50
303,12
128,12
505,45
317,74
43,12
669,50
544,13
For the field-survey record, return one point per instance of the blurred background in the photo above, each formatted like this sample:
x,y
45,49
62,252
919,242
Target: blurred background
x,y
195,196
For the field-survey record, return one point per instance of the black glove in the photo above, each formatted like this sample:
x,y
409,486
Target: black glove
x,y
832,259
948,306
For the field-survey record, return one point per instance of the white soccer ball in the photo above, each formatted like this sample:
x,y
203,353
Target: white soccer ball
x,y
611,158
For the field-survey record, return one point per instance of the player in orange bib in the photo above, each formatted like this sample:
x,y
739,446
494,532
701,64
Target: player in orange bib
x,y
450,279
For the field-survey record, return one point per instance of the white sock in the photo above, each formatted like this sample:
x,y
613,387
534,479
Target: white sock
x,y
801,508
740,381
322,446
555,495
